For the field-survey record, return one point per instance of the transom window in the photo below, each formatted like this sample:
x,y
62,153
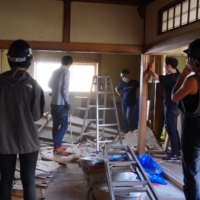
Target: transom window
x,y
178,14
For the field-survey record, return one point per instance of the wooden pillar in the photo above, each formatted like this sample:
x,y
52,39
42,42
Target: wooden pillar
x,y
66,20
145,59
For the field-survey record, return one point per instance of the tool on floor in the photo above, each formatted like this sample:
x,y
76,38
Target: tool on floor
x,y
142,186
102,90
70,127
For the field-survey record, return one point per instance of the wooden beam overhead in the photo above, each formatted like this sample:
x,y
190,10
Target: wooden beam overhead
x,y
172,43
81,47
121,2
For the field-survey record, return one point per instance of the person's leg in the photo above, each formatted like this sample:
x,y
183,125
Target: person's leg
x,y
7,169
124,112
191,159
55,118
130,117
27,171
171,126
63,122
136,118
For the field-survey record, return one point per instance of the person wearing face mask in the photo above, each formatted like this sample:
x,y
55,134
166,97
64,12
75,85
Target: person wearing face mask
x,y
187,92
128,90
171,110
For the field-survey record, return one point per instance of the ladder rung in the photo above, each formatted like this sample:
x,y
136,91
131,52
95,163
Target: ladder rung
x,y
104,92
108,124
122,163
94,106
106,108
94,120
129,189
128,183
105,141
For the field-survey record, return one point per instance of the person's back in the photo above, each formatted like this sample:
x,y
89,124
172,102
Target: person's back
x,y
60,82
21,103
18,105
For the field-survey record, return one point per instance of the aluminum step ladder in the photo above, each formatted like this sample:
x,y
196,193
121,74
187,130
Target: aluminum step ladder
x,y
142,185
100,89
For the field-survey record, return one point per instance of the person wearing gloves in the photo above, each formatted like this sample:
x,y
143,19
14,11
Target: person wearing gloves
x,y
59,83
187,91
21,103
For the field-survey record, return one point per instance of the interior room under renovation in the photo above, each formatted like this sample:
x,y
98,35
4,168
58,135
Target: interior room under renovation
x,y
121,108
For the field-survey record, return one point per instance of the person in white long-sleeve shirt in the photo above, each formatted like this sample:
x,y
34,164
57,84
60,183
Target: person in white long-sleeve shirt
x,y
59,83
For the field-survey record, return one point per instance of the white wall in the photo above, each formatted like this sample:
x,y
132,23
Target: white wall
x,y
31,20
105,23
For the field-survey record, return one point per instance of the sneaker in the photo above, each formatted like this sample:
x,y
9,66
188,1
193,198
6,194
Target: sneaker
x,y
169,153
171,158
61,151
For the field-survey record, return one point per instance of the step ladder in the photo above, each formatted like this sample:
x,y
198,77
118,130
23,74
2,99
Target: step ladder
x,y
98,92
143,185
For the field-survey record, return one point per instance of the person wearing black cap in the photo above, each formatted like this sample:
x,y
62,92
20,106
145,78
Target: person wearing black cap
x,y
21,103
127,90
187,91
171,110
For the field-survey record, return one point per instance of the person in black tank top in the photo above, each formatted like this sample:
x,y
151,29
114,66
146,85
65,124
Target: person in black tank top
x,y
187,92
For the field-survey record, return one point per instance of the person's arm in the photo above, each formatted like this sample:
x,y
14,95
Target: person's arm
x,y
186,71
117,91
65,87
184,85
153,74
38,102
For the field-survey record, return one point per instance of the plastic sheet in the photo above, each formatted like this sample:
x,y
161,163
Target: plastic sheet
x,y
152,169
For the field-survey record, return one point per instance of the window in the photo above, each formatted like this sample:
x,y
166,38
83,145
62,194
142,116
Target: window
x,y
80,75
178,14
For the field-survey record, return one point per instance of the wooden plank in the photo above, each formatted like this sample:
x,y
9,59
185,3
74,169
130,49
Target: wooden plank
x,y
143,104
82,47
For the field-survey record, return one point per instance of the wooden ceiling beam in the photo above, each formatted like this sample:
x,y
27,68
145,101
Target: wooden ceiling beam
x,y
66,20
80,47
122,2
172,43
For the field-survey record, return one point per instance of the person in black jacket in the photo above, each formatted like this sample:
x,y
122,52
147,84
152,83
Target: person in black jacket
x,y
187,91
171,110
21,103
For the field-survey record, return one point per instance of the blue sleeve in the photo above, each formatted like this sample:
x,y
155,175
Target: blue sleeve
x,y
119,87
65,86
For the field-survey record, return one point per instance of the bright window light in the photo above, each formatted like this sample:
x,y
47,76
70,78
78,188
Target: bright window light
x,y
80,75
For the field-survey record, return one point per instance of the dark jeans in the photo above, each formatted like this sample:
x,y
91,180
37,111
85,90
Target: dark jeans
x,y
60,123
27,172
171,116
128,114
190,140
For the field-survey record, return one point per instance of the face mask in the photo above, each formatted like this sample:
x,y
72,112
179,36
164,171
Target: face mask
x,y
124,79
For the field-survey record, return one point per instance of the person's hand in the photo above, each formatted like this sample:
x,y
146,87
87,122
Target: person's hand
x,y
67,106
188,69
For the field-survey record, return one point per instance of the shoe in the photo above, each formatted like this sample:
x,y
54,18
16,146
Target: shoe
x,y
171,158
169,153
61,151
